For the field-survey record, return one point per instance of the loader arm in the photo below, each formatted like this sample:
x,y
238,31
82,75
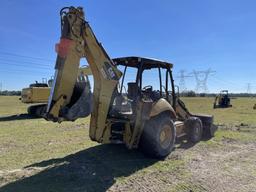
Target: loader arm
x,y
78,41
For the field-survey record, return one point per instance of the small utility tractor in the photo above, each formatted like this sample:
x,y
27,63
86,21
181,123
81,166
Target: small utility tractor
x,y
222,100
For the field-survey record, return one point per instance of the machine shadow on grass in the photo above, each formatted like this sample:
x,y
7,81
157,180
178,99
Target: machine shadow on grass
x,y
93,169
23,116
183,143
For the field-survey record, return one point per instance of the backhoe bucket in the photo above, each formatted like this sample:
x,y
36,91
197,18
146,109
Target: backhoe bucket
x,y
80,104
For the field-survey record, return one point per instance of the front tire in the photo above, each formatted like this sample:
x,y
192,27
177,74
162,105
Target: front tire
x,y
158,137
194,129
208,127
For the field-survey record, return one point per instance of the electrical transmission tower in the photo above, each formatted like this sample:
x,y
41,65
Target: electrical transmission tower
x,y
182,83
201,80
249,88
1,86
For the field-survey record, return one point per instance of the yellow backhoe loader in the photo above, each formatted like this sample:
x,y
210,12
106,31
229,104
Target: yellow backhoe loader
x,y
147,115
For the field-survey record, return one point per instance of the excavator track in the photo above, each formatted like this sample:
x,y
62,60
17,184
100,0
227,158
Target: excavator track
x,y
37,110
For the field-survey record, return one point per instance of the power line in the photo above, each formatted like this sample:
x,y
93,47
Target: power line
x,y
24,72
225,83
24,56
13,67
228,82
26,62
25,66
248,91
201,80
182,83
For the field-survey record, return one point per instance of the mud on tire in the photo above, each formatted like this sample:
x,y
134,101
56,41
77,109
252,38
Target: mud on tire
x,y
194,129
158,137
209,128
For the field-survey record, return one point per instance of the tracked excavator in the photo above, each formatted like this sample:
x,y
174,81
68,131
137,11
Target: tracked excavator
x,y
144,115
37,94
222,100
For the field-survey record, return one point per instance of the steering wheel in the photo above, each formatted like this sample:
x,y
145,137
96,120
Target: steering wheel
x,y
147,88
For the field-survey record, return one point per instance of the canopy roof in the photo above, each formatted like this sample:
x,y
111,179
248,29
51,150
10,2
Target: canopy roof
x,y
147,63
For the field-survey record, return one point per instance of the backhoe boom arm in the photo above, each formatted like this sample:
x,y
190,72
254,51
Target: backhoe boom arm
x,y
78,41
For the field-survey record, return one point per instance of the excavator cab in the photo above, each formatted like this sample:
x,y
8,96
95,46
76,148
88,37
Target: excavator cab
x,y
37,92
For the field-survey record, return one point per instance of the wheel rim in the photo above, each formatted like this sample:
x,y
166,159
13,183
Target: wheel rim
x,y
165,136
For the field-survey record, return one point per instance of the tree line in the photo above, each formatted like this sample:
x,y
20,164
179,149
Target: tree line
x,y
182,94
10,93
194,94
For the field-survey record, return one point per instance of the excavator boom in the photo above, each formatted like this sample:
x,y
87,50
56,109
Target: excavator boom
x,y
78,41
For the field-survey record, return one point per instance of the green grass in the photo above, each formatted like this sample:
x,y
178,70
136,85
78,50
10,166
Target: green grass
x,y
70,161
33,140
241,113
235,135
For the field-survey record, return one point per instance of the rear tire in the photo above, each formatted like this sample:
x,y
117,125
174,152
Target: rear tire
x,y
158,137
194,129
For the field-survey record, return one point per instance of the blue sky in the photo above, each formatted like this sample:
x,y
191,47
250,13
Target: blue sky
x,y
194,35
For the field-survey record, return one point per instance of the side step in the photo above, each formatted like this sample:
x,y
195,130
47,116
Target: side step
x,y
180,128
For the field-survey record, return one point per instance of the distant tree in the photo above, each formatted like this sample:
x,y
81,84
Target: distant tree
x,y
202,95
188,94
10,93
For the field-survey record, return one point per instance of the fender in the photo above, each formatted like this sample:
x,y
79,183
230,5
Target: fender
x,y
161,106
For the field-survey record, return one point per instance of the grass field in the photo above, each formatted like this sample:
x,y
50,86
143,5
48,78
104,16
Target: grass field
x,y
36,155
241,112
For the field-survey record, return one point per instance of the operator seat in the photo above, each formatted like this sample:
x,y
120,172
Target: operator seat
x,y
132,90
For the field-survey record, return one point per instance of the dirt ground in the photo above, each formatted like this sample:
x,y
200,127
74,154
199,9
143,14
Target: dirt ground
x,y
229,165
